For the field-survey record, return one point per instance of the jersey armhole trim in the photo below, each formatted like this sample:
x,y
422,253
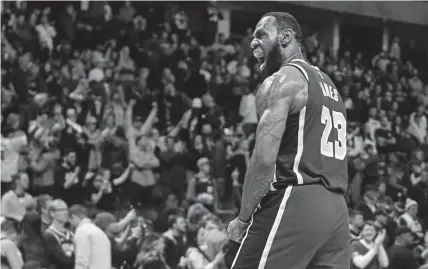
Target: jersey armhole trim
x,y
301,70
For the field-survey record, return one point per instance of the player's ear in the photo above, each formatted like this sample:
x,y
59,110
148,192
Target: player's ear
x,y
286,37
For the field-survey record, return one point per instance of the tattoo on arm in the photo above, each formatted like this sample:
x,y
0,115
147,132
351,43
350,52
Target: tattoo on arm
x,y
277,97
270,129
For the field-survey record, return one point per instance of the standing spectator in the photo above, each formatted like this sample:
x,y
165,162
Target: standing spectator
x,y
418,125
247,110
400,255
43,166
142,177
175,240
93,249
127,12
368,252
11,257
173,173
67,178
15,202
58,240
46,35
395,51
11,147
202,182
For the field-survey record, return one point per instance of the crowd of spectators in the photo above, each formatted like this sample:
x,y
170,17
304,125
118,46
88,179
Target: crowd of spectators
x,y
127,127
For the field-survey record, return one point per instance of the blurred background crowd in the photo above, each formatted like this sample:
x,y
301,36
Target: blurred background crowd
x,y
120,122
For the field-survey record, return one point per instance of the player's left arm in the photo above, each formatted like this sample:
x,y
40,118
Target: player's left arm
x,y
281,94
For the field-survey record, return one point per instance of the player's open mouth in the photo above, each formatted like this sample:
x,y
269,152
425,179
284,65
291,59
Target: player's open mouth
x,y
260,56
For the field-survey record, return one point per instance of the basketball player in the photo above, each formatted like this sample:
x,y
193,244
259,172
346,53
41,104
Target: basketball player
x,y
293,213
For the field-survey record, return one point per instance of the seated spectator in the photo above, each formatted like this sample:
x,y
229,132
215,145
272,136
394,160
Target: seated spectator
x,y
385,139
153,254
367,205
400,255
368,252
422,250
11,257
409,217
197,256
58,240
15,202
356,223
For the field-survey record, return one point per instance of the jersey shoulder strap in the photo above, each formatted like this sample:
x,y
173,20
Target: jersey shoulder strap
x,y
298,64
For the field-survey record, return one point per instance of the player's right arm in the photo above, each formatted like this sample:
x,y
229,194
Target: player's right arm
x,y
280,95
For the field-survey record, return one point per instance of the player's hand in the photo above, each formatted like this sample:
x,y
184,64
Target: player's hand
x,y
236,230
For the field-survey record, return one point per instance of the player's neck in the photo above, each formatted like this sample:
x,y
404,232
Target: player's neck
x,y
294,54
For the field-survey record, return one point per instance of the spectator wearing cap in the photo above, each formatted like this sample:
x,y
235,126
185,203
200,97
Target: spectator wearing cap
x,y
202,182
409,217
15,202
58,240
93,248
400,254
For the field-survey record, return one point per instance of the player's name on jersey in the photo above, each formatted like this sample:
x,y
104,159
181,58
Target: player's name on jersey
x,y
329,91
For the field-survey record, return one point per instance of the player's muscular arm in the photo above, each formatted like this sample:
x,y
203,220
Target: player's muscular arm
x,y
284,93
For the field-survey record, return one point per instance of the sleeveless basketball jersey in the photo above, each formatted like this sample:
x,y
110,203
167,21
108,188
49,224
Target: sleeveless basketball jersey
x,y
313,148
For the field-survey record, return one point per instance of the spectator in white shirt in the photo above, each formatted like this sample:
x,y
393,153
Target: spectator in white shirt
x,y
247,110
46,33
15,202
92,246
10,155
418,125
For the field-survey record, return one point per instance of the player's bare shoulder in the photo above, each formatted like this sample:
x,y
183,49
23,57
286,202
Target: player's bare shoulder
x,y
286,85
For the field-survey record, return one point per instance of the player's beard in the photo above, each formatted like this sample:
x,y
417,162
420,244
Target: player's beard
x,y
273,60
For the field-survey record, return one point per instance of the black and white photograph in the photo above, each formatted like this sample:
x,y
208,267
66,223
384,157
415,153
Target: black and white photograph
x,y
214,134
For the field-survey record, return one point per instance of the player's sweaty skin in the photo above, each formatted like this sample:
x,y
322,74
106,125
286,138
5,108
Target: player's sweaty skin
x,y
283,93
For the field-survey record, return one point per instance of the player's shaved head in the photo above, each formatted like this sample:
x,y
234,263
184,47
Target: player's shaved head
x,y
284,20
